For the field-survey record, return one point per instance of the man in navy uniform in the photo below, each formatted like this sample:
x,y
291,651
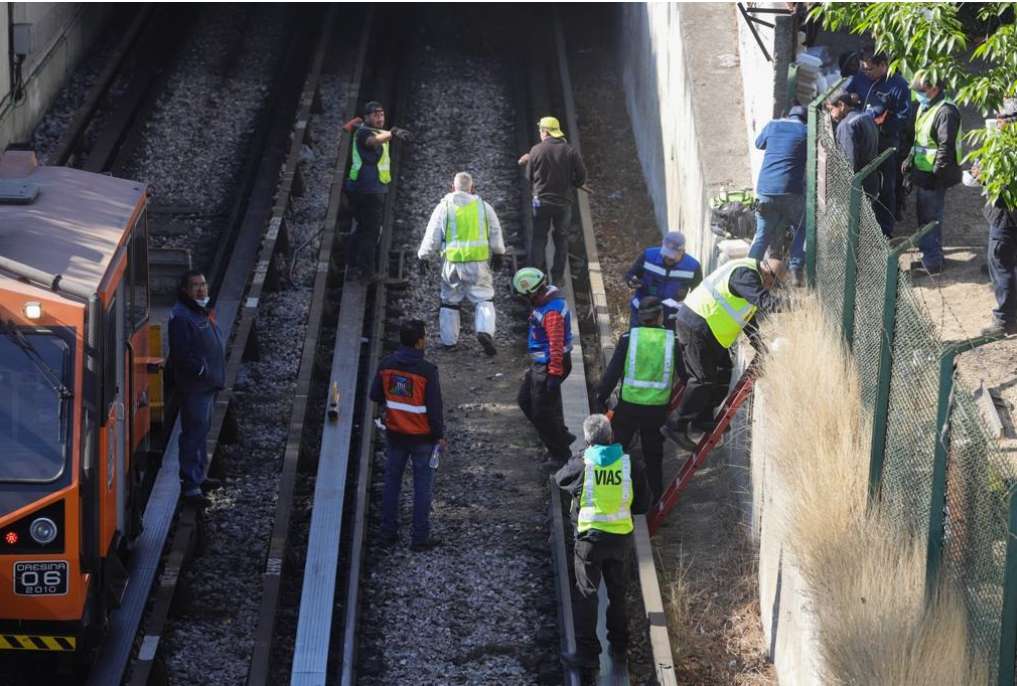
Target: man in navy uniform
x,y
667,273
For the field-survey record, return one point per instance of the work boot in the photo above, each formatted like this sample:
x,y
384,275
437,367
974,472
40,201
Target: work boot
x,y
583,663
999,328
197,500
487,343
678,437
427,544
209,485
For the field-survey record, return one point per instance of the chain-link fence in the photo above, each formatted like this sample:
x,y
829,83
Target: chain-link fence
x,y
934,465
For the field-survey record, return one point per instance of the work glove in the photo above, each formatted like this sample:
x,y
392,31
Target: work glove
x,y
553,383
354,123
634,282
496,262
401,134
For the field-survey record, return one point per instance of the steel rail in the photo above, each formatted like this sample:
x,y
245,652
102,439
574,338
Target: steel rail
x,y
272,579
68,145
258,232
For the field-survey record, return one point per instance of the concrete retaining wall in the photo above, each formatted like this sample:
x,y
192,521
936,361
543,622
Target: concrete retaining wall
x,y
684,94
61,34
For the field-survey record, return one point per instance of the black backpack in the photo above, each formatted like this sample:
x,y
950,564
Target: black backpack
x,y
733,214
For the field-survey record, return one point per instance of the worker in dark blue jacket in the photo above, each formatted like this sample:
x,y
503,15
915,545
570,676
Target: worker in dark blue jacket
x,y
873,85
780,189
414,422
666,273
198,362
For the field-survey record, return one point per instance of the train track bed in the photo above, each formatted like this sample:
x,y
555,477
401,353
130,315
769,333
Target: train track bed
x,y
213,629
50,130
480,608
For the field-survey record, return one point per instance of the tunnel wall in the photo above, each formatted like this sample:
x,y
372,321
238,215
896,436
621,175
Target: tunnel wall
x,y
683,91
62,33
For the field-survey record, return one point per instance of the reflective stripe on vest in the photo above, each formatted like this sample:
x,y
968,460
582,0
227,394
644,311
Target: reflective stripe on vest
x,y
405,402
384,163
649,367
466,232
924,150
607,497
724,312
668,273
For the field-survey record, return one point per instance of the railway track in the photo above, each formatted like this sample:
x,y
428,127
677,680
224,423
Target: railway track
x,y
337,573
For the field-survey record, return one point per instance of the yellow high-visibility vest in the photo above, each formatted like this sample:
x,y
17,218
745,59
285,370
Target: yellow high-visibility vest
x,y
466,237
725,313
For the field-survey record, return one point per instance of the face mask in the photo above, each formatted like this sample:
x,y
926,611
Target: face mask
x,y
202,301
923,99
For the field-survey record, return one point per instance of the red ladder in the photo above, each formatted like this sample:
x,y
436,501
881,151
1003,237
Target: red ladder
x,y
707,443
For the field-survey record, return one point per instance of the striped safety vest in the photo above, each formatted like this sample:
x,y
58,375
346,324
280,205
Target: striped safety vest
x,y
924,150
606,498
466,232
537,343
725,313
384,163
649,366
405,402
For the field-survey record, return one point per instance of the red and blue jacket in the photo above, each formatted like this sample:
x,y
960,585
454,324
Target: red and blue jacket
x,y
550,331
408,385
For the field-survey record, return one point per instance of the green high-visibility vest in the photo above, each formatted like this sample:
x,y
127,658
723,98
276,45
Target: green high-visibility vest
x,y
607,497
724,312
384,163
466,232
924,150
649,366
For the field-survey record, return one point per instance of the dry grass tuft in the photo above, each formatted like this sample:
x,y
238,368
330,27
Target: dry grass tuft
x,y
866,577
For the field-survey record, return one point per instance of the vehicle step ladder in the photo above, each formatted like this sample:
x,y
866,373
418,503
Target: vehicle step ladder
x,y
707,443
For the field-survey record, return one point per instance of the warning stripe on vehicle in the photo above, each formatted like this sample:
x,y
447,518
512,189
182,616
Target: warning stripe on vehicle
x,y
23,642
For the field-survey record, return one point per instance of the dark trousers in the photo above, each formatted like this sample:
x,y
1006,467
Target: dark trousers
x,y
708,366
601,555
1003,271
543,217
543,408
646,420
368,211
885,206
396,455
195,421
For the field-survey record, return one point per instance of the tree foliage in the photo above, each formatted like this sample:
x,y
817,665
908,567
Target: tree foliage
x,y
977,65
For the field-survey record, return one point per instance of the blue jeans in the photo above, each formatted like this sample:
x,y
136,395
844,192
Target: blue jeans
x,y
195,420
396,455
774,214
1003,270
930,204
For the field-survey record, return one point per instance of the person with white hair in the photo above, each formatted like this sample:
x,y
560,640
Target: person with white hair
x,y
607,487
465,231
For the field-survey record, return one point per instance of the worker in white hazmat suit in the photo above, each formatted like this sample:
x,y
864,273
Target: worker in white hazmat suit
x,y
466,232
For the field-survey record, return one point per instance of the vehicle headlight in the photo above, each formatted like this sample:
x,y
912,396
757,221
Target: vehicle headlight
x,y
43,530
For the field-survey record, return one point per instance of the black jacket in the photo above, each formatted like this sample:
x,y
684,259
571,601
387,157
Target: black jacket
x,y
999,217
570,479
554,169
945,171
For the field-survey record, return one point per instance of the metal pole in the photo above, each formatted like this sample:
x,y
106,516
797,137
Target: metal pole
x,y
853,236
812,186
881,405
1008,628
937,508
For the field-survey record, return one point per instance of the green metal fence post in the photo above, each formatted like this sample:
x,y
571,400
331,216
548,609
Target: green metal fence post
x,y
937,508
853,237
881,405
1008,628
811,182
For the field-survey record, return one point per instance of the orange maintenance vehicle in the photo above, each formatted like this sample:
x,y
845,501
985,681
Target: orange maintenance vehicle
x,y
77,381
